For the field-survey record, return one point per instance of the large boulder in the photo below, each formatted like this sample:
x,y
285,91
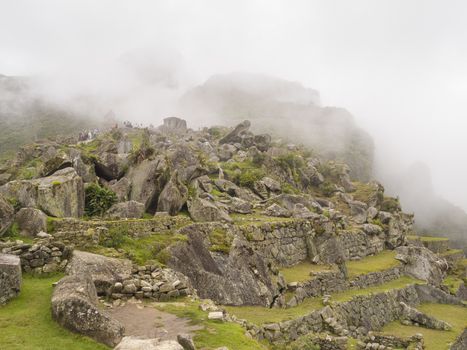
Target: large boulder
x,y
75,307
134,343
62,194
413,315
358,211
239,278
202,210
103,271
126,210
148,179
59,195
7,213
235,136
461,341
111,166
31,221
421,263
10,277
173,196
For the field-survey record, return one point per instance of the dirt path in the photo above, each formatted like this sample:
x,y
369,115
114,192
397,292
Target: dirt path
x,y
148,322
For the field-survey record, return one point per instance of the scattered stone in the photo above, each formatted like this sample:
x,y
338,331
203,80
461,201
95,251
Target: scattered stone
x,y
134,343
216,315
277,211
186,341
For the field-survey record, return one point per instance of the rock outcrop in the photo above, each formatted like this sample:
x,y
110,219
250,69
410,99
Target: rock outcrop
x,y
239,278
202,210
75,307
102,271
127,210
10,277
421,263
31,221
173,196
7,213
59,195
417,317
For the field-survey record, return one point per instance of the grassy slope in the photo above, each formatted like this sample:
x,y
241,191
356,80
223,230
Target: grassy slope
x,y
382,261
214,334
26,322
434,339
260,315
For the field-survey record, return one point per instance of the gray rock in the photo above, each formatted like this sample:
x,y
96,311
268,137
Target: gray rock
x,y
235,136
121,188
271,184
31,221
240,206
173,196
186,341
241,278
412,314
111,165
202,210
7,213
103,271
358,211
75,307
10,277
216,315
461,341
129,210
421,263
134,343
147,181
277,211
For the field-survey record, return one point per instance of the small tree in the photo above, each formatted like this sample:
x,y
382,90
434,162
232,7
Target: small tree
x,y
98,200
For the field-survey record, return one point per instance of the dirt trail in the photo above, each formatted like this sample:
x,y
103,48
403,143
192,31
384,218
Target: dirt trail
x,y
147,322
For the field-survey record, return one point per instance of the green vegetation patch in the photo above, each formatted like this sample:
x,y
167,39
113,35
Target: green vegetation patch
x,y
244,173
427,238
98,200
144,250
302,272
455,315
364,192
220,240
450,252
26,322
260,315
382,261
214,333
453,283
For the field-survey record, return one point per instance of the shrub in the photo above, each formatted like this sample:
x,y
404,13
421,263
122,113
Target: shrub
x,y
248,177
328,188
115,237
98,200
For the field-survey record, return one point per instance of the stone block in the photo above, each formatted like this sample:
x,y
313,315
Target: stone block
x,y
10,277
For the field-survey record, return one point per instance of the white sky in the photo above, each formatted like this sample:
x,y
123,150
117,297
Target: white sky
x,y
399,66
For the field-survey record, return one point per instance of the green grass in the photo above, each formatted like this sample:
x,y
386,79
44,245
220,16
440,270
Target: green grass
x,y
214,333
379,262
26,322
453,283
427,238
260,315
144,250
434,339
452,252
301,272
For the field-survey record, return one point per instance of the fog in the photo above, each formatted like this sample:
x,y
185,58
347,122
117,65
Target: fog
x,y
399,67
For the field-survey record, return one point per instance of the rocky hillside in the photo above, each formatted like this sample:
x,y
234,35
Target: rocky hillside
x,y
261,243
287,109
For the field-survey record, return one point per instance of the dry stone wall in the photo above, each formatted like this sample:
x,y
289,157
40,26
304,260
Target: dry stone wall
x,y
335,281
43,256
83,233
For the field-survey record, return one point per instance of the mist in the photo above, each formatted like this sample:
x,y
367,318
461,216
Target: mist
x,y
398,67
